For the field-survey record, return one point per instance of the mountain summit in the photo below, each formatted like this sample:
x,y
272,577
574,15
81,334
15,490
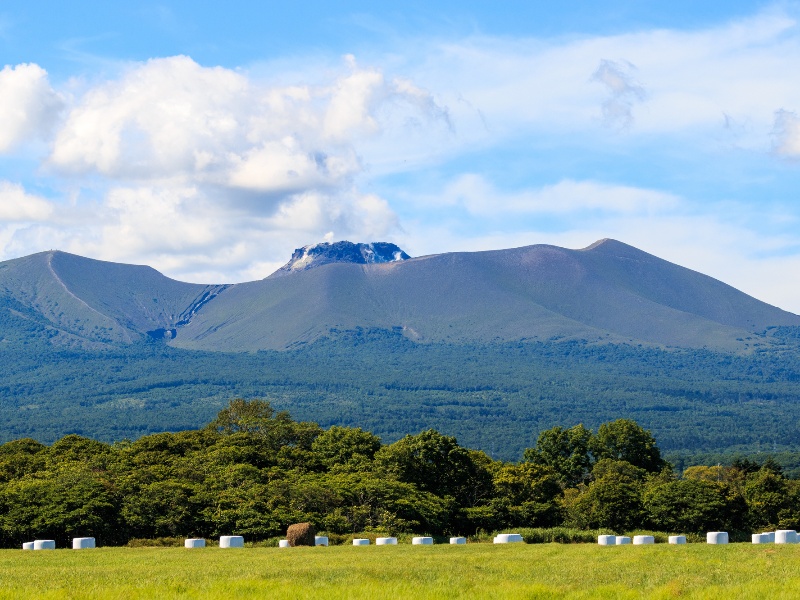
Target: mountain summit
x,y
316,255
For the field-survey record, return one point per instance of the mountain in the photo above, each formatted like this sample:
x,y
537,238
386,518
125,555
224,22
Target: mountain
x,y
608,292
492,347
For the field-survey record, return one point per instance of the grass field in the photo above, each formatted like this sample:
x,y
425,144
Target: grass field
x,y
472,571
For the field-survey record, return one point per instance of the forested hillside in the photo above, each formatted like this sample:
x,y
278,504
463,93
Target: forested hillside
x,y
494,397
253,472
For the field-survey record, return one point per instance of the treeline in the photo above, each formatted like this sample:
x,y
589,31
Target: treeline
x,y
253,471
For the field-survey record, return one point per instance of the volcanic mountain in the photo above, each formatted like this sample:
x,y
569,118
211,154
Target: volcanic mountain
x,y
607,292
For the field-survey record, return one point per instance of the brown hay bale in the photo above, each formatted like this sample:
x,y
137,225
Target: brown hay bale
x,y
301,534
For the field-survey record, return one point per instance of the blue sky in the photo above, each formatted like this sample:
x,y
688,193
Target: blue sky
x,y
211,139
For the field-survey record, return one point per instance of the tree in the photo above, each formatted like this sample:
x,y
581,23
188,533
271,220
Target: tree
x,y
347,447
613,500
693,506
767,496
566,451
624,439
437,464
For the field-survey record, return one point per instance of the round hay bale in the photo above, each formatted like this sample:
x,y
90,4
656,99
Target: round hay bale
x,y
386,541
760,538
786,536
27,546
717,537
622,540
507,538
301,534
458,541
606,540
677,539
82,543
44,545
194,543
231,541
422,541
642,540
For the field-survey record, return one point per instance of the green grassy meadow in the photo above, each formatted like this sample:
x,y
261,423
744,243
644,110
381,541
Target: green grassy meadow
x,y
472,571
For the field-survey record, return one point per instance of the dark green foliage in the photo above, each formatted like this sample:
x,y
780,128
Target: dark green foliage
x,y
254,471
564,450
495,397
625,440
693,506
437,464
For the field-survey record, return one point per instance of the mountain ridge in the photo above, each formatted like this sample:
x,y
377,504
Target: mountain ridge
x,y
608,292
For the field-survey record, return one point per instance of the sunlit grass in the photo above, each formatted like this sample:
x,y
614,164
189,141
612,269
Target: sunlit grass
x,y
472,571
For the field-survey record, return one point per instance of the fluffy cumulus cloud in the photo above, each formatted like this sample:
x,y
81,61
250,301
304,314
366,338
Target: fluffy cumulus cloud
x,y
205,171
28,105
17,206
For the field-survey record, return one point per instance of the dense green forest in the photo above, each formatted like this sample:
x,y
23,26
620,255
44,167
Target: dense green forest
x,y
253,471
702,405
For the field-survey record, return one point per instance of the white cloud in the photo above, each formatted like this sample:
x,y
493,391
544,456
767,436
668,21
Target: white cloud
x,y
479,197
496,88
207,172
28,105
16,205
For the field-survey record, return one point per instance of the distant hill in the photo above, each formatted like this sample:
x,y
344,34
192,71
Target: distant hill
x,y
491,347
608,292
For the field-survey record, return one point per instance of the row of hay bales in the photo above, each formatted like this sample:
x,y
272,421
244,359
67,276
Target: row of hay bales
x,y
782,536
77,544
641,540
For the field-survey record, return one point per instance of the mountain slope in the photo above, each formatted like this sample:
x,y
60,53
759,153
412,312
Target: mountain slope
x,y
80,300
609,291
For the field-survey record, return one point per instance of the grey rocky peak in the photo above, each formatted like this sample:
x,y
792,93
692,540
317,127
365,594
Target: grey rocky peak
x,y
316,255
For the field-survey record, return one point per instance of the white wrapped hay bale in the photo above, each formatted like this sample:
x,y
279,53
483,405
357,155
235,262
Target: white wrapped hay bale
x,y
622,540
458,540
82,543
44,545
760,538
606,540
27,546
770,537
507,538
194,543
386,541
643,540
284,544
717,537
786,536
231,541
361,542
422,541
677,539
320,540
